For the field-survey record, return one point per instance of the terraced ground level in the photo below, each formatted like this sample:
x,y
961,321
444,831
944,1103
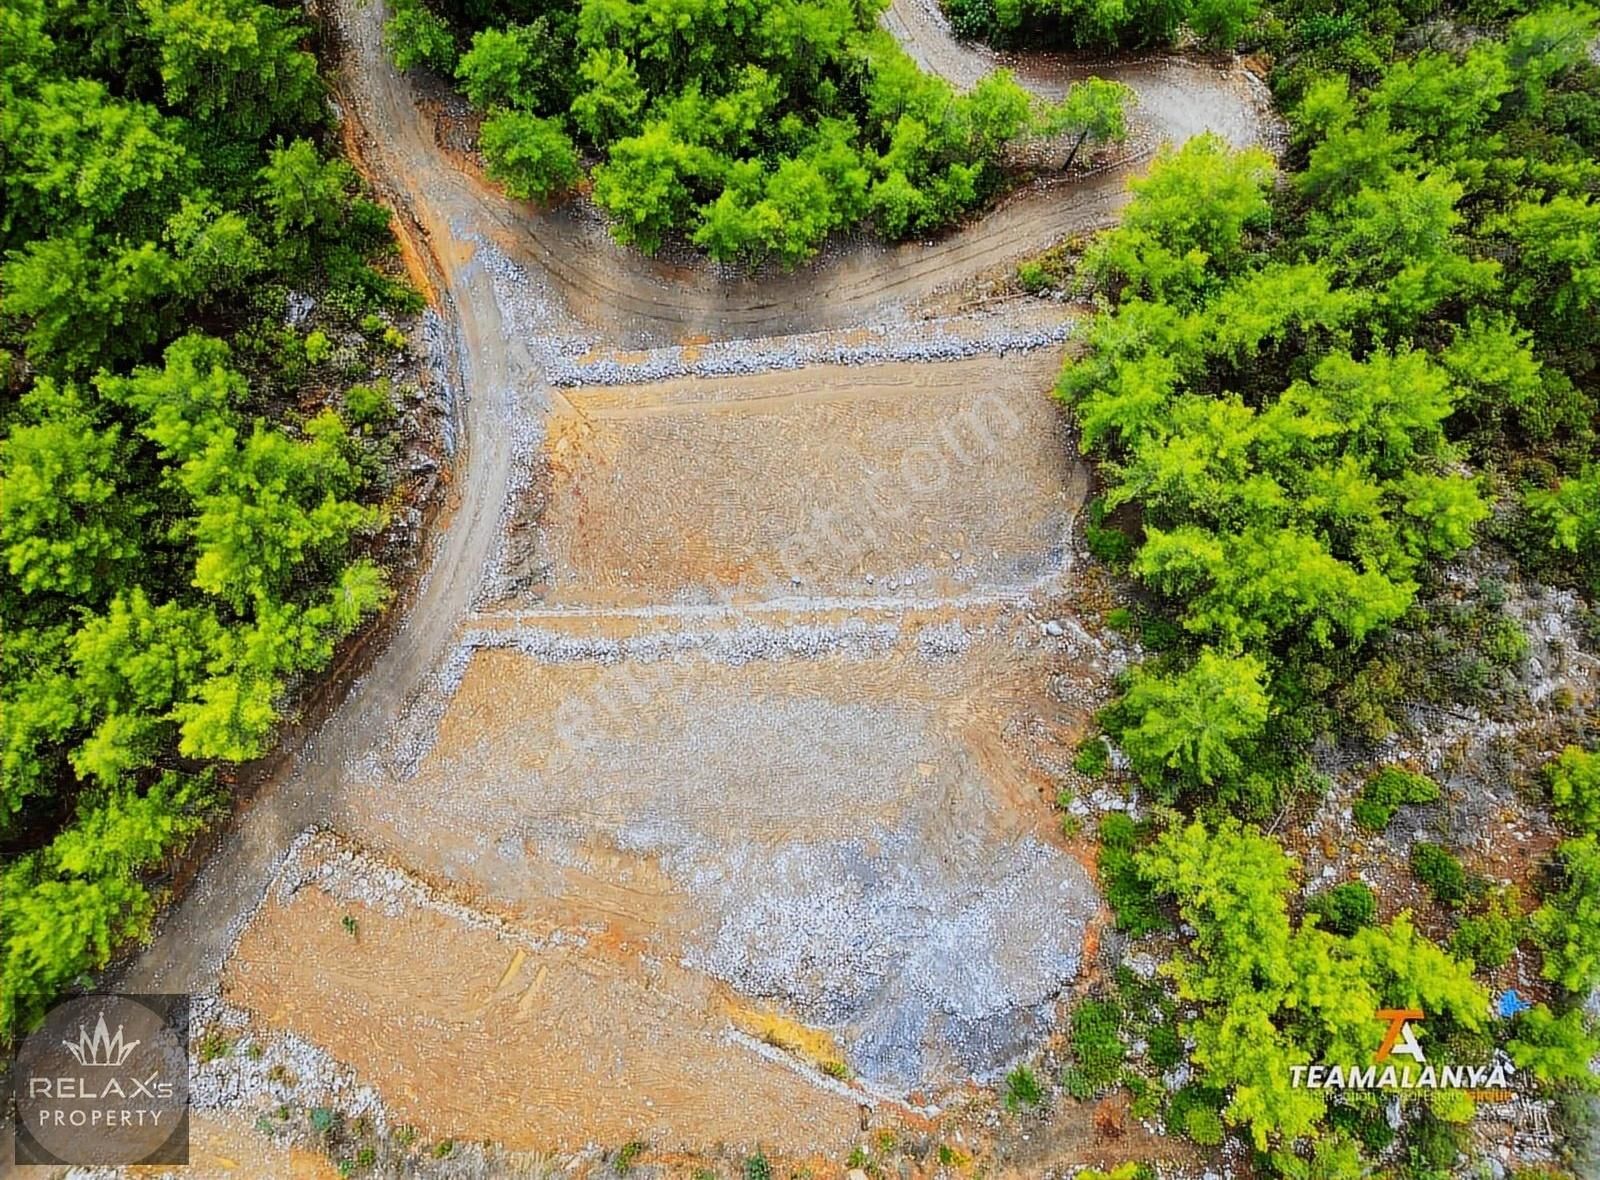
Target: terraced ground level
x,y
825,481
699,794
744,851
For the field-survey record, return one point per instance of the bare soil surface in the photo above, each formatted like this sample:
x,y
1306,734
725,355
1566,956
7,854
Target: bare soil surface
x,y
736,825
842,815
224,1147
472,1031
949,478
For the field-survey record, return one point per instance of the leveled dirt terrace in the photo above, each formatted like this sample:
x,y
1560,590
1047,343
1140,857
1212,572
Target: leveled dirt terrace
x,y
835,480
473,1031
844,818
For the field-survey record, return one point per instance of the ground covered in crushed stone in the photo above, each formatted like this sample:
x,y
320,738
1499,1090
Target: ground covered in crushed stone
x,y
847,821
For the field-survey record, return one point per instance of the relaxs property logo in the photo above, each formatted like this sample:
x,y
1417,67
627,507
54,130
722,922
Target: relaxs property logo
x,y
1487,1082
104,1080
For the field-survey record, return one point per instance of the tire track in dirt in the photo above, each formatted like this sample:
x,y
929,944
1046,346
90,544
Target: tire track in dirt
x,y
433,199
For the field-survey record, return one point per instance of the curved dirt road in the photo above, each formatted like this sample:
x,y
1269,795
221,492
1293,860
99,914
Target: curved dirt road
x,y
497,371
635,300
613,293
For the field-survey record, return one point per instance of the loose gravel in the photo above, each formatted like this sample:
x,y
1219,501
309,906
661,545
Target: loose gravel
x,y
921,341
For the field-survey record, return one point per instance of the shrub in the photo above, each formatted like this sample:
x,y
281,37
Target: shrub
x,y
318,347
1368,704
1268,993
1433,1143
1022,1089
1386,790
1220,23
1190,1106
1363,1120
757,1167
1567,925
1034,277
1199,725
1502,641
628,1155
1110,545
1490,938
1166,1045
1092,757
214,1044
1128,1171
1159,633
1096,1047
1345,908
532,157
370,405
416,37
972,19
1126,891
1203,1125
1574,778
1440,873
1557,1049
1144,1097
355,288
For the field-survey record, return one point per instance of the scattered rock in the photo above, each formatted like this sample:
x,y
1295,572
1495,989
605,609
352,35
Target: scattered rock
x,y
1141,964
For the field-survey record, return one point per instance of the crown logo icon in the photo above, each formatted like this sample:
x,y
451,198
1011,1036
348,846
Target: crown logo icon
x,y
102,1048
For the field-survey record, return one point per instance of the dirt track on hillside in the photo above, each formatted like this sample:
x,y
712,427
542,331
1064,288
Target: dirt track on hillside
x,y
637,300
520,285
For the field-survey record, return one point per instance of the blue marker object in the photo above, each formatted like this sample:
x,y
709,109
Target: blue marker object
x,y
1510,1003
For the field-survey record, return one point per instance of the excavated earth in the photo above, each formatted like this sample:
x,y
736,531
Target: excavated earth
x,y
700,793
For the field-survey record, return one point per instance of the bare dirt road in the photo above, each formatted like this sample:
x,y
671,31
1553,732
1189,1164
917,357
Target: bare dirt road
x,y
635,300
778,821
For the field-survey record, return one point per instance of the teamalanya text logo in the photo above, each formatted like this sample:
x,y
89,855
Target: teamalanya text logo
x,y
1400,1041
102,1049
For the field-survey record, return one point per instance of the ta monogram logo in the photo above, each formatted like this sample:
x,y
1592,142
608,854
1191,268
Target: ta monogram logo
x,y
1399,1040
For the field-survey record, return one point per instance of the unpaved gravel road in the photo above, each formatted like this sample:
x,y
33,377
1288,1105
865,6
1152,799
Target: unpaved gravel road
x,y
498,372
635,301
574,284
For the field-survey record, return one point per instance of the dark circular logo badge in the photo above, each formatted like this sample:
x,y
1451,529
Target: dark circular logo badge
x,y
105,1080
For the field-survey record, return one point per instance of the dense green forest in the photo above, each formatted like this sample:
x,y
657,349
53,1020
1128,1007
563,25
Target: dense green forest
x,y
1311,393
755,129
187,480
1307,390
1100,24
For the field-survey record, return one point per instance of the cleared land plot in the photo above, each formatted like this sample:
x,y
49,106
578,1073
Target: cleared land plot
x,y
842,815
471,1030
833,480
